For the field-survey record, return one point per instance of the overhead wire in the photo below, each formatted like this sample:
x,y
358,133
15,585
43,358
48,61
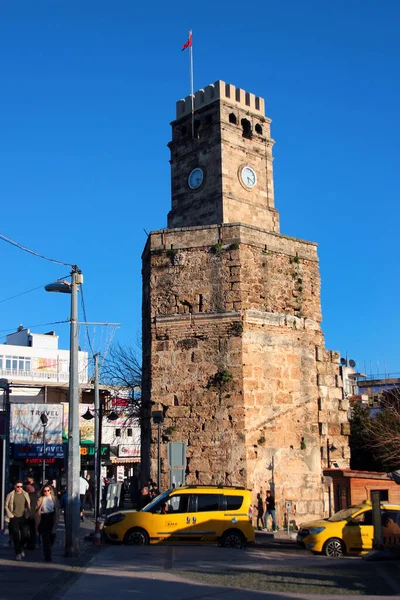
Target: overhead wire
x,y
28,291
25,249
86,325
32,327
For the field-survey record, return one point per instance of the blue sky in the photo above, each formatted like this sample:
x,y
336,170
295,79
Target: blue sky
x,y
88,90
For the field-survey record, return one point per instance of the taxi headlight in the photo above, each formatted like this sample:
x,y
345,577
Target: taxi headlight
x,y
113,519
316,530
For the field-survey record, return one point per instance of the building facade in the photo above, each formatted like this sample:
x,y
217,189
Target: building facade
x,y
233,349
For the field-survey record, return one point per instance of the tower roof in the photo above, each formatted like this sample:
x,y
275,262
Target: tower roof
x,y
221,91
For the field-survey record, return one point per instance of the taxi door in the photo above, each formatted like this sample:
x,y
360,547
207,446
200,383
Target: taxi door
x,y
358,534
171,525
205,518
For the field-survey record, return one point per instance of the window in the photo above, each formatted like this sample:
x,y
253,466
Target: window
x,y
207,502
233,119
178,504
365,518
246,125
233,502
16,363
129,432
391,521
383,495
258,129
118,432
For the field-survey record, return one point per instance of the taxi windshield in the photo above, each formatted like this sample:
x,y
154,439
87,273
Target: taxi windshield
x,y
344,514
149,507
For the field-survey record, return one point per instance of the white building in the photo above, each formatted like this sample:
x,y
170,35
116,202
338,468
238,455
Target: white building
x,y
35,358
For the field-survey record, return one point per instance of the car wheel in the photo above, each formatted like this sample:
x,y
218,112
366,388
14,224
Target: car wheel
x,y
136,537
334,548
233,539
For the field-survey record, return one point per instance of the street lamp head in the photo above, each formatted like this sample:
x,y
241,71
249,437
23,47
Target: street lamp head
x,y
44,419
87,415
158,416
112,416
63,287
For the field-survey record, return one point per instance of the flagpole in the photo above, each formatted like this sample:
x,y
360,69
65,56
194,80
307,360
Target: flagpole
x,y
191,79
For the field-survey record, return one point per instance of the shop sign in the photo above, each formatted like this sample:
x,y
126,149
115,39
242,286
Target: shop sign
x,y
88,452
27,428
39,461
129,451
36,451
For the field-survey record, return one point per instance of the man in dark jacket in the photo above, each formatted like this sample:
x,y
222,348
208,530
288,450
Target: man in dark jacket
x,y
270,510
17,506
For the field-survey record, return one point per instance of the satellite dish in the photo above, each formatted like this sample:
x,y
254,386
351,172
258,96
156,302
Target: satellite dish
x,y
343,361
352,363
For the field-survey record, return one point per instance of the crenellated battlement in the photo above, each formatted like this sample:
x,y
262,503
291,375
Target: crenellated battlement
x,y
221,91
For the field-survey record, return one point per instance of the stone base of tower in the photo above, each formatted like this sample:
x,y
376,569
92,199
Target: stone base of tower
x,y
234,356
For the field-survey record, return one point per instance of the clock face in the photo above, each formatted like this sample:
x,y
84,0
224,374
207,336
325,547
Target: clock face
x,y
195,178
249,177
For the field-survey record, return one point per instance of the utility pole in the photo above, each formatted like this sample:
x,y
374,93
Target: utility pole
x,y
44,420
74,458
97,439
5,476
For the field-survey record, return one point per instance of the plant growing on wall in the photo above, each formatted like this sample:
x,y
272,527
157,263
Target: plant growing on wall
x,y
216,249
219,379
237,328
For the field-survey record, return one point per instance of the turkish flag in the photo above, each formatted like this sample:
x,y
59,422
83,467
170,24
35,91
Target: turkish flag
x,y
188,43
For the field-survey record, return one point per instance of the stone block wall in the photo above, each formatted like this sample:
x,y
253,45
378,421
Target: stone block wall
x,y
234,356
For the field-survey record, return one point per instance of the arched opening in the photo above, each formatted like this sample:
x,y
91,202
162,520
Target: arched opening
x,y
258,129
233,119
197,128
246,126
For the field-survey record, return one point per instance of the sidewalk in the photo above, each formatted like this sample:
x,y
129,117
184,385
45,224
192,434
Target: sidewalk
x,y
32,577
194,573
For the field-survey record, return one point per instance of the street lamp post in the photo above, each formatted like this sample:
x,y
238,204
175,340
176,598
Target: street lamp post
x,y
98,416
158,418
5,467
44,421
329,448
73,501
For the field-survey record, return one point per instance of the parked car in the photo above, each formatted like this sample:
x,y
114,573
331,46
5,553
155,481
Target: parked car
x,y
349,530
206,514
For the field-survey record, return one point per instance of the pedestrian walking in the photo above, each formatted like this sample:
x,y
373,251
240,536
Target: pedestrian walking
x,y
47,515
89,492
260,512
17,506
83,488
270,510
31,516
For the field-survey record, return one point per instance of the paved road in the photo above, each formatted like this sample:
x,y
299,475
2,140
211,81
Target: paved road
x,y
211,573
275,571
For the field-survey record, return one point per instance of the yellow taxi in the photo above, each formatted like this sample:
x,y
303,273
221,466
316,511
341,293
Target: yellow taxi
x,y
200,514
349,530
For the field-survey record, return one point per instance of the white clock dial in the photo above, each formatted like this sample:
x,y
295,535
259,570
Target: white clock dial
x,y
195,178
249,177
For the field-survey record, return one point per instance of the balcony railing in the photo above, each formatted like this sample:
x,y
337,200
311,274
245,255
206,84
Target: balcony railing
x,y
39,376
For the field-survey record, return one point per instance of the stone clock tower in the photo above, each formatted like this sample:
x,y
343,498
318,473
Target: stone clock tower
x,y
233,351
225,174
